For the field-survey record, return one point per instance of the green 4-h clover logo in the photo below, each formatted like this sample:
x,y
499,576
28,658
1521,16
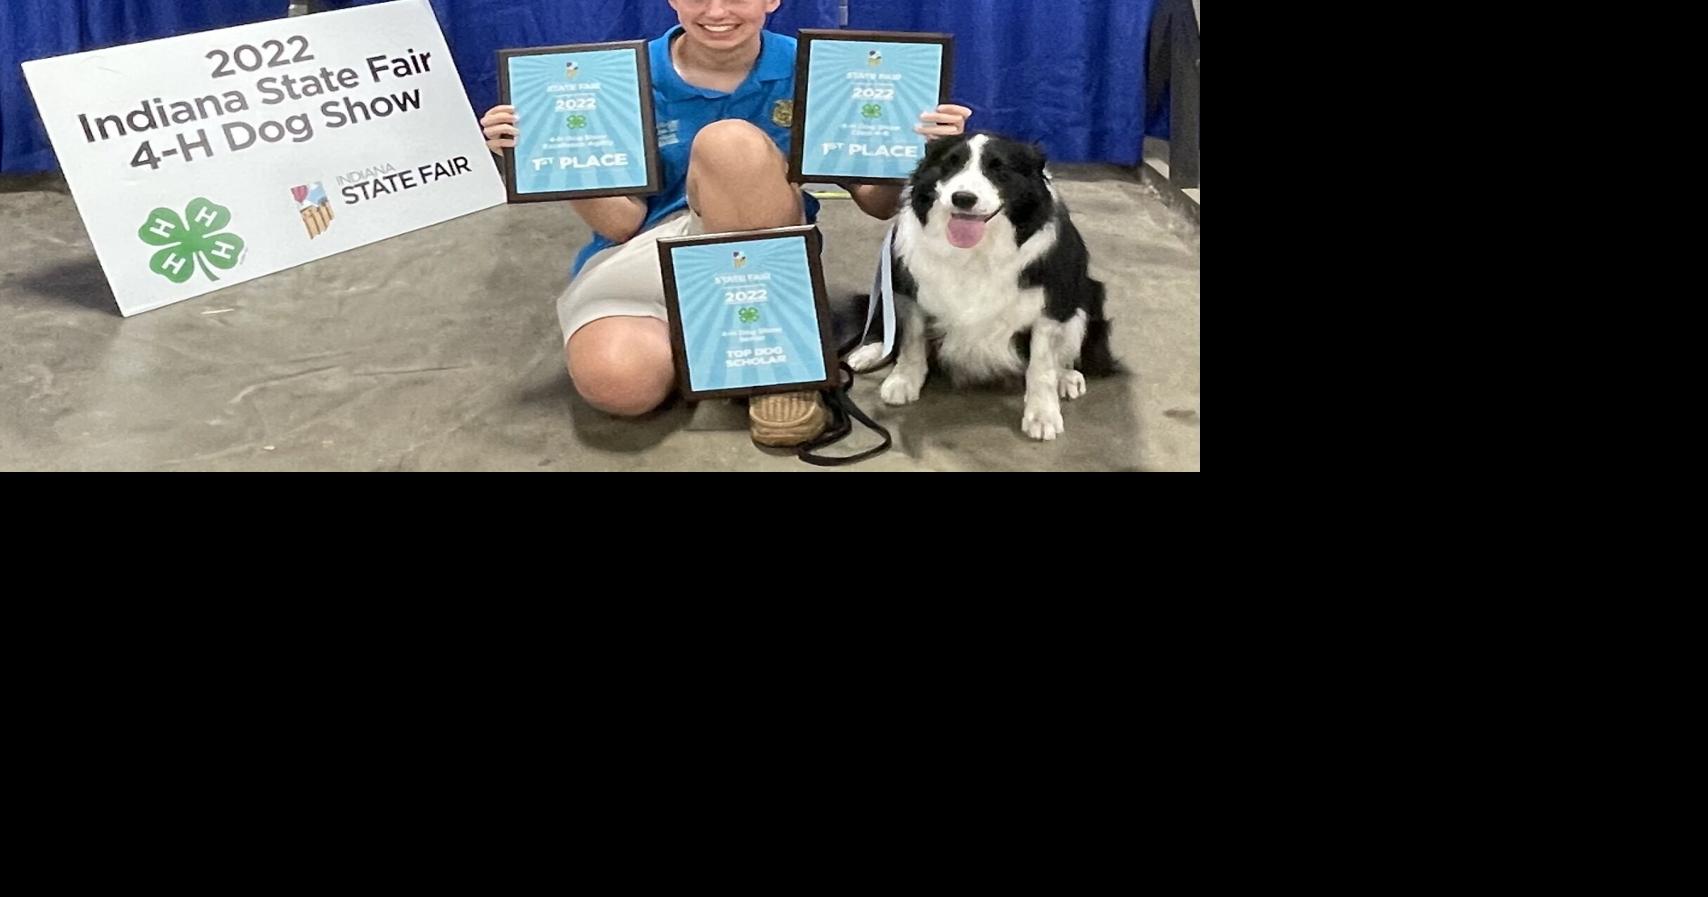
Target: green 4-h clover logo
x,y
199,243
578,121
871,110
748,315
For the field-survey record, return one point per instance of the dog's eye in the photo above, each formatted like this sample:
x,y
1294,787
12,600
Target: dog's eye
x,y
995,164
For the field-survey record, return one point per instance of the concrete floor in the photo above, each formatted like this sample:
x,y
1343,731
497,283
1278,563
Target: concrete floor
x,y
439,350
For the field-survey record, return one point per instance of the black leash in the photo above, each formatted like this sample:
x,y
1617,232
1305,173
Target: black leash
x,y
842,408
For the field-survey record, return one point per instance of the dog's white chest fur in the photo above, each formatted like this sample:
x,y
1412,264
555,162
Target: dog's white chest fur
x,y
973,296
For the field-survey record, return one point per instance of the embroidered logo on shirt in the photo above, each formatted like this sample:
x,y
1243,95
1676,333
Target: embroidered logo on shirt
x,y
669,132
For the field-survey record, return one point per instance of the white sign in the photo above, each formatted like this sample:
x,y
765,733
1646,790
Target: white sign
x,y
210,159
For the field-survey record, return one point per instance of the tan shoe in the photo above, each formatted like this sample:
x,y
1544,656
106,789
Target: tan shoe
x,y
786,419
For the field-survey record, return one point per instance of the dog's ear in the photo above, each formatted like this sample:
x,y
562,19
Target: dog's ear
x,y
937,149
1035,157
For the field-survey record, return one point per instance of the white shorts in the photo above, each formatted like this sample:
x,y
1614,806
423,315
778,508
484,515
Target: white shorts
x,y
624,279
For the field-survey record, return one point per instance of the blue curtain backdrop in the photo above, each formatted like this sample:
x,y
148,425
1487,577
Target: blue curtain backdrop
x,y
1069,74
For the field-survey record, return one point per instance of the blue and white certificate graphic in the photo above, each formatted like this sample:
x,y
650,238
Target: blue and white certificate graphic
x,y
580,121
749,314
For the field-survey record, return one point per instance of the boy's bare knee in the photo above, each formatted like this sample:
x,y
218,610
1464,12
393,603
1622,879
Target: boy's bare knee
x,y
621,366
616,392
734,144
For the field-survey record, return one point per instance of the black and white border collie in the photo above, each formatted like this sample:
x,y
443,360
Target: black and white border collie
x,y
990,272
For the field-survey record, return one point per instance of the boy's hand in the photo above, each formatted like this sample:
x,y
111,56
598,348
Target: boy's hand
x,y
499,126
947,121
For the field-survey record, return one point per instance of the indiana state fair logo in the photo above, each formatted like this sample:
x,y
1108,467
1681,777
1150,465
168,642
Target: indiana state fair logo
x,y
874,58
571,70
738,260
314,207
195,242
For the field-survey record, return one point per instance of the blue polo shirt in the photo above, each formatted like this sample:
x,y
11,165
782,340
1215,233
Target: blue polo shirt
x,y
680,110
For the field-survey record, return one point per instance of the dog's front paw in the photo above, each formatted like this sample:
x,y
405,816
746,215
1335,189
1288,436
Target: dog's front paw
x,y
1071,384
901,387
1042,420
866,358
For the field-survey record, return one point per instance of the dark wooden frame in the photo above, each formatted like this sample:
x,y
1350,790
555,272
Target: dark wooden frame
x,y
649,128
821,302
803,56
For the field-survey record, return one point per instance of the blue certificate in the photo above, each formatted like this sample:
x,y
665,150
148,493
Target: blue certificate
x,y
748,312
585,121
859,95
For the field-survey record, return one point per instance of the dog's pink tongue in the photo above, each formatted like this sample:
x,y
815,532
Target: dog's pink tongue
x,y
965,233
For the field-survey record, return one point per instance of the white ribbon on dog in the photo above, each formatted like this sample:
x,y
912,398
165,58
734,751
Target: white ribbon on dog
x,y
883,292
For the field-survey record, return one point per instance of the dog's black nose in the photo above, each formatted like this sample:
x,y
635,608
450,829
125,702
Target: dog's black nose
x,y
964,200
